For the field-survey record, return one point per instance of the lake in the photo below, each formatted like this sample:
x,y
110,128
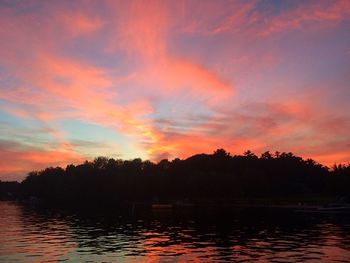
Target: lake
x,y
29,234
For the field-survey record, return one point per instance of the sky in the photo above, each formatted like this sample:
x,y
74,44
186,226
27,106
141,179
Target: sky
x,y
166,79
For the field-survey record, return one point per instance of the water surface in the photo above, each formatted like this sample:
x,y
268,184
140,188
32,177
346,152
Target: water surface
x,y
30,234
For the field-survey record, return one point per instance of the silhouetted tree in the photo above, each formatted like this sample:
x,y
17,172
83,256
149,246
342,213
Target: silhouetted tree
x,y
217,176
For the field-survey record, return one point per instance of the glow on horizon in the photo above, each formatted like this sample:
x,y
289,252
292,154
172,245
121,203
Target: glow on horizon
x,y
166,79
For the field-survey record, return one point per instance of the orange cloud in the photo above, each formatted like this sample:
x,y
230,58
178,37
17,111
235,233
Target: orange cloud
x,y
18,161
329,159
143,35
298,126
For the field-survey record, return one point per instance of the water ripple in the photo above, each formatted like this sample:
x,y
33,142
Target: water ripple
x,y
47,235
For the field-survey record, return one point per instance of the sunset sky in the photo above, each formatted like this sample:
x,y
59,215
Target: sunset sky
x,y
165,79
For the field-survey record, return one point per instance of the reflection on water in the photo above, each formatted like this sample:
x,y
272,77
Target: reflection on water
x,y
43,235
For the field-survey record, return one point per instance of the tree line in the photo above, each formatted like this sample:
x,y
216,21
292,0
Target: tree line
x,y
220,177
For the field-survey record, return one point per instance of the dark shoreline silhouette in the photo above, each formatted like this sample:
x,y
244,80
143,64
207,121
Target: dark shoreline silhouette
x,y
203,179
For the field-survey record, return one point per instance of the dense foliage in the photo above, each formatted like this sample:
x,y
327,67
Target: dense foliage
x,y
200,178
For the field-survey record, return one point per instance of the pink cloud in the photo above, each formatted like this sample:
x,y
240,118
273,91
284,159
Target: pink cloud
x,y
81,24
211,18
312,12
